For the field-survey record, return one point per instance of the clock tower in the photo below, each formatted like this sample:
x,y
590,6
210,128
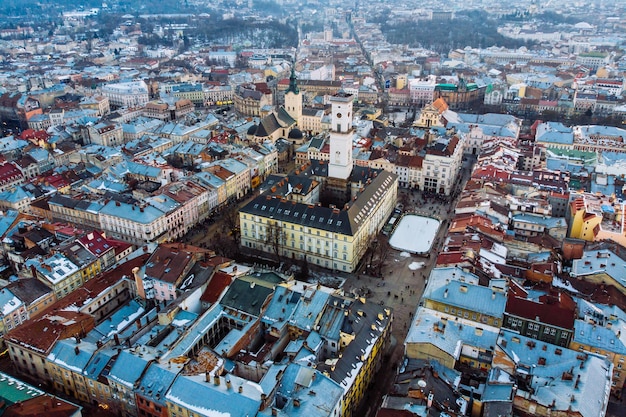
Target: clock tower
x,y
341,135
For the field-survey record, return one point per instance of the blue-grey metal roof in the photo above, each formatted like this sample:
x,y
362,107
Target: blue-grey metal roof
x,y
281,307
156,382
127,368
549,388
196,331
96,367
208,399
470,297
71,355
145,215
271,378
317,394
117,322
599,337
7,220
309,309
599,261
547,222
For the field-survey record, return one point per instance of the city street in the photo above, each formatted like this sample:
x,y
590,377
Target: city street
x,y
400,287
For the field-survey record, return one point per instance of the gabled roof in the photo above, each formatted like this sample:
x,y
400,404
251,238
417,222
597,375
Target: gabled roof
x,y
208,399
156,382
267,126
219,282
167,264
556,309
246,296
128,368
316,394
369,322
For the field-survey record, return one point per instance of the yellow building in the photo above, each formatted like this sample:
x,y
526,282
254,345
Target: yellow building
x,y
76,212
57,272
30,344
450,341
595,218
250,99
329,237
362,357
193,93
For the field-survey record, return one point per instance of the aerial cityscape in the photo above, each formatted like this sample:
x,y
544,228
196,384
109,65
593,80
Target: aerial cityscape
x,y
321,209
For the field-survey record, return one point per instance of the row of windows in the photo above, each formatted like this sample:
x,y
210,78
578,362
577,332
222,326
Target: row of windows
x,y
291,227
317,260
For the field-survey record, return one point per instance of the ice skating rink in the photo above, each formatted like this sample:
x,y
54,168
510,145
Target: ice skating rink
x,y
415,234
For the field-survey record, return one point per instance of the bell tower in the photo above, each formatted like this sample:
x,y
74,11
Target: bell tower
x,y
293,98
341,135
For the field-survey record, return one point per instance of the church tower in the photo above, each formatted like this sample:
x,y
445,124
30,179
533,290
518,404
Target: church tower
x,y
341,135
293,98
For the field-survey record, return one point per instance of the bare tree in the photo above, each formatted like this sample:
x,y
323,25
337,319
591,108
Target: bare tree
x,y
382,250
275,238
231,222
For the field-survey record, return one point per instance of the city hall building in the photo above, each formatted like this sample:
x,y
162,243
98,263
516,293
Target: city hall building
x,y
327,212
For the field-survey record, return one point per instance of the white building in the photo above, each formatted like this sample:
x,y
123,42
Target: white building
x,y
441,165
422,90
129,94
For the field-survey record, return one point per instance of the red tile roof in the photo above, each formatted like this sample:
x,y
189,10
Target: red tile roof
x,y
216,287
168,264
451,258
554,309
35,134
10,173
40,334
43,405
96,243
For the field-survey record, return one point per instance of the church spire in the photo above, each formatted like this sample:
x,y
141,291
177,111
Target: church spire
x,y
293,85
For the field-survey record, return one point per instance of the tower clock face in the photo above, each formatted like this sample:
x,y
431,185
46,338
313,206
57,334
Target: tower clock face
x,y
339,115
